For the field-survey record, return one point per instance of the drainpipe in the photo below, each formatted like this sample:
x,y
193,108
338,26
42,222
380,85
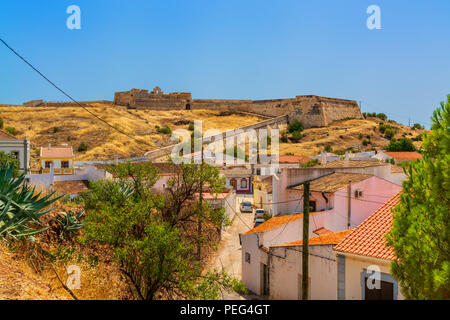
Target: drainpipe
x,y
326,199
349,195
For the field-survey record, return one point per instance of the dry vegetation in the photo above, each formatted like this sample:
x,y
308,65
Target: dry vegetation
x,y
26,272
75,125
346,134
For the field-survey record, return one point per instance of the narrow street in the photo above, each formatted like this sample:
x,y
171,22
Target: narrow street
x,y
229,257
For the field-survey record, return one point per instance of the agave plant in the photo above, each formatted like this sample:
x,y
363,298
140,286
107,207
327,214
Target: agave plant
x,y
70,223
21,207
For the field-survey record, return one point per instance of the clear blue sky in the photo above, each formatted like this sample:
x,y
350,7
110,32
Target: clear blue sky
x,y
232,49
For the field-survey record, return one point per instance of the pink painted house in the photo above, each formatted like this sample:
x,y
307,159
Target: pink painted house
x,y
338,201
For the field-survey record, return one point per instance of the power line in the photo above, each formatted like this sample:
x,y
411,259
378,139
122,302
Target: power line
x,y
67,95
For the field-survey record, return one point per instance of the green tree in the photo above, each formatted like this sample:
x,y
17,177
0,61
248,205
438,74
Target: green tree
x,y
7,160
295,126
296,136
420,235
402,144
11,130
152,234
82,147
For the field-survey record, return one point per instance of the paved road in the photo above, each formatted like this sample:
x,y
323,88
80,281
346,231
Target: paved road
x,y
228,256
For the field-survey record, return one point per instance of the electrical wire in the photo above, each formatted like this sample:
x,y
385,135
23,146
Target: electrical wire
x,y
68,96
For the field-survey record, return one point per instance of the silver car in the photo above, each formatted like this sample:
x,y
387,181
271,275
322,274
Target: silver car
x,y
246,206
259,213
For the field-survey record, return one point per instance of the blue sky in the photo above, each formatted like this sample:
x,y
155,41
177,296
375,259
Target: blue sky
x,y
232,49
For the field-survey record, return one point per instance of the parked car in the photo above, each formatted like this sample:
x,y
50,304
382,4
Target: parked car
x,y
258,222
259,213
246,206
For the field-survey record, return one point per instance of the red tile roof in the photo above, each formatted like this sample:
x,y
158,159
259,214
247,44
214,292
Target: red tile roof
x,y
6,136
56,152
293,159
277,221
405,155
71,187
368,239
322,231
330,238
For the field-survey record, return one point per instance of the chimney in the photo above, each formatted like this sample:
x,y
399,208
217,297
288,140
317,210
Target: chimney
x,y
49,146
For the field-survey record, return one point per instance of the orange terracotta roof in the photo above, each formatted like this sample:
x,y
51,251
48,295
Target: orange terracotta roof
x,y
70,187
6,136
322,231
405,155
277,221
293,159
56,152
368,239
330,238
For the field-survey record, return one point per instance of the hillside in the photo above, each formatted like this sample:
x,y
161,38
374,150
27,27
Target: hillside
x,y
347,135
71,125
57,125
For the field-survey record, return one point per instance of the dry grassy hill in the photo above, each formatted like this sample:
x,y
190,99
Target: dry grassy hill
x,y
74,125
347,134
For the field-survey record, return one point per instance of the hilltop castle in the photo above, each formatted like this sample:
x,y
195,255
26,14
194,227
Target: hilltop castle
x,y
313,111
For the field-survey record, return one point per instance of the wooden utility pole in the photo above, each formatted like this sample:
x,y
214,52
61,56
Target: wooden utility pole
x,y
305,253
201,207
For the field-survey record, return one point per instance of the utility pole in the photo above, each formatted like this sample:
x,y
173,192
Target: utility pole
x,y
305,252
201,206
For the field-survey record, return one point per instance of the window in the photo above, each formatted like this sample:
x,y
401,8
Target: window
x,y
247,257
312,205
64,164
244,183
15,154
48,164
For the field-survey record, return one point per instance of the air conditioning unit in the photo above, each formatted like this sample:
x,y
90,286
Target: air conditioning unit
x,y
358,193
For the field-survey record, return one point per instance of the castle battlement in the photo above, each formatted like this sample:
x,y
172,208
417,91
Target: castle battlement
x,y
312,110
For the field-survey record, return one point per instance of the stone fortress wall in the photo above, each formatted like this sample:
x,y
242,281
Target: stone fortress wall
x,y
313,111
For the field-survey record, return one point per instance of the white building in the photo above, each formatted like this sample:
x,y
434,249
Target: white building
x,y
336,205
19,149
286,262
363,251
60,159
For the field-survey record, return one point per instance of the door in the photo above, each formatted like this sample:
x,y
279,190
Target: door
x,y
233,184
265,280
386,291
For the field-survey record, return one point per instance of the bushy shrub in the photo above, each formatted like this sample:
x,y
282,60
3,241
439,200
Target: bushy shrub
x,y
296,136
82,147
295,126
389,133
403,144
164,130
11,130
